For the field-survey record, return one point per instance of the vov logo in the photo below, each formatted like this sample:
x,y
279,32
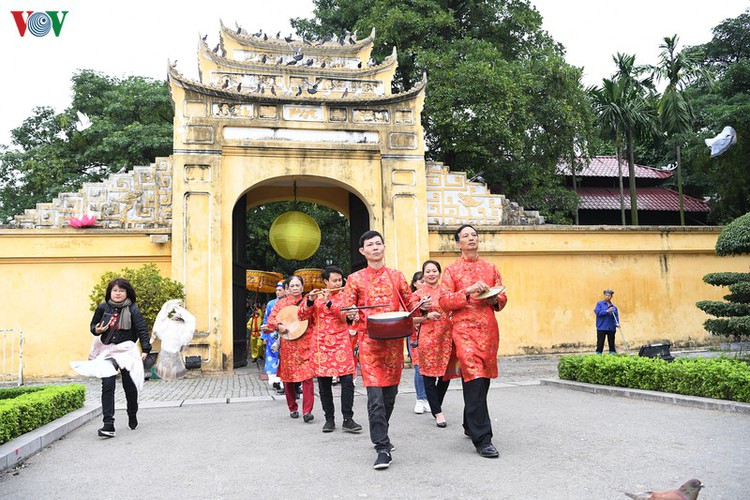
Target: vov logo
x,y
39,23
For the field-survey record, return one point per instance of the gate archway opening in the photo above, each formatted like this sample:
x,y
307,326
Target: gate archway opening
x,y
341,215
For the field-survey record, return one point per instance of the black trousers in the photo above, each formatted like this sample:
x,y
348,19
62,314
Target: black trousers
x,y
600,334
435,388
477,422
347,396
108,396
380,403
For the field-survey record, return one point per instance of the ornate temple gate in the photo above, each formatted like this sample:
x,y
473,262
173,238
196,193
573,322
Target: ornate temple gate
x,y
258,122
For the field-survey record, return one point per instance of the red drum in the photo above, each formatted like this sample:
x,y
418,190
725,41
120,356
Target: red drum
x,y
390,325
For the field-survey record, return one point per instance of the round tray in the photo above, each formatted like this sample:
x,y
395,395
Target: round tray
x,y
495,290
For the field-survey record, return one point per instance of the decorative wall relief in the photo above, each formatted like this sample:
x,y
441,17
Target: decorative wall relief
x,y
195,108
197,173
402,140
268,112
231,110
370,116
337,114
199,134
293,112
404,117
141,198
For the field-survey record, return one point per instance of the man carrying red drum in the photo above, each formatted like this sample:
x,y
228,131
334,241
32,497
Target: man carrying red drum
x,y
333,355
381,361
475,332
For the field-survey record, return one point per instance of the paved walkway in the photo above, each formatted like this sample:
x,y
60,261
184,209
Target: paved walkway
x,y
246,383
554,443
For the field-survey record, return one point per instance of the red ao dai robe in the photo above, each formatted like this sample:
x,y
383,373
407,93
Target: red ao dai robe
x,y
435,337
295,356
381,360
332,355
475,331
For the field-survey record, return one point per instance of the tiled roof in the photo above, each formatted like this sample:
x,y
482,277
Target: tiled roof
x,y
649,198
606,166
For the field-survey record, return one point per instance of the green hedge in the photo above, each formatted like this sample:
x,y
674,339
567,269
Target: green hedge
x,y
32,407
719,378
12,392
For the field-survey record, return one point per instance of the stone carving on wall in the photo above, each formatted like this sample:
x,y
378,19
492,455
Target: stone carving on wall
x,y
231,110
141,198
370,116
453,200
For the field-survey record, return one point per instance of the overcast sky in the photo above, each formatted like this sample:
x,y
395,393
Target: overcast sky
x,y
137,37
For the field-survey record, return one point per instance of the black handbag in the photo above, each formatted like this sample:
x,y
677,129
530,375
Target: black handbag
x,y
192,362
150,360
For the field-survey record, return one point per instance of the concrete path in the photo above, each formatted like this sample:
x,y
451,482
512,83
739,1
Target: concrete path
x,y
554,443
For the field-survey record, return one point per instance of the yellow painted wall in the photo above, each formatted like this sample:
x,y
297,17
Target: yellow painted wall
x,y
46,278
555,276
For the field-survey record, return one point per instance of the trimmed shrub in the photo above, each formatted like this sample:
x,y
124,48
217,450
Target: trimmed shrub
x,y
37,406
718,378
733,316
12,392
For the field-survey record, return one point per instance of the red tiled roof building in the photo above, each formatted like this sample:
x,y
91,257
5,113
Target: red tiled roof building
x,y
599,193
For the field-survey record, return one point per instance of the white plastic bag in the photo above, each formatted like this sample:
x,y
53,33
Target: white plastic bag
x,y
175,327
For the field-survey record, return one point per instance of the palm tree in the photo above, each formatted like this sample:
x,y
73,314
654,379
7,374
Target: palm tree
x,y
675,111
637,116
608,107
623,110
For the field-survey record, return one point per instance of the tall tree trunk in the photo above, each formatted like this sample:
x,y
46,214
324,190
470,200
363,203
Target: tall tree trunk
x,y
631,181
622,191
575,184
679,186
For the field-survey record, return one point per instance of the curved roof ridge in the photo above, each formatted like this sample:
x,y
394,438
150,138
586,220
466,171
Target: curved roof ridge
x,y
273,42
230,93
386,64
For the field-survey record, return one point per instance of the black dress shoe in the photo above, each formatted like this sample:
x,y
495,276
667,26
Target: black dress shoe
x,y
488,451
308,417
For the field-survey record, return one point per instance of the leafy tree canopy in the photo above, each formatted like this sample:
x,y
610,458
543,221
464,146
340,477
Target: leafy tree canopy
x,y
501,99
131,124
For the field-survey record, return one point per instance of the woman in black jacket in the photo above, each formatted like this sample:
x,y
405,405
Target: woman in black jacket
x,y
117,320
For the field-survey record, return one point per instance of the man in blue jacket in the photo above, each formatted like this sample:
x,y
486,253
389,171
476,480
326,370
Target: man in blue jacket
x,y
607,321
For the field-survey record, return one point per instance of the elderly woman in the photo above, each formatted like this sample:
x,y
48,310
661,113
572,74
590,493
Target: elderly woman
x,y
118,324
295,356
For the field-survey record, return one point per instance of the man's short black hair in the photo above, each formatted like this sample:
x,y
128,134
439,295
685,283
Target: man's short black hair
x,y
369,235
329,270
458,231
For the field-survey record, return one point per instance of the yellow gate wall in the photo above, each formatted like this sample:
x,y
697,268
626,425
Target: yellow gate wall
x,y
554,276
46,277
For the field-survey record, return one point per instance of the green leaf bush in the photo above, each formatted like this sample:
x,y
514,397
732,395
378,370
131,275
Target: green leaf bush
x,y
718,378
23,409
151,288
735,237
732,317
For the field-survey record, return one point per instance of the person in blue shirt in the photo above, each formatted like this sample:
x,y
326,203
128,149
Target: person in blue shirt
x,y
272,357
607,321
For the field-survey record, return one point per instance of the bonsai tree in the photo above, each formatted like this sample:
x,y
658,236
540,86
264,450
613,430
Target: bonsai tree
x,y
152,289
733,316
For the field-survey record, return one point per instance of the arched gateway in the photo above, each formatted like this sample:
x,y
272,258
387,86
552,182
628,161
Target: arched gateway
x,y
267,113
